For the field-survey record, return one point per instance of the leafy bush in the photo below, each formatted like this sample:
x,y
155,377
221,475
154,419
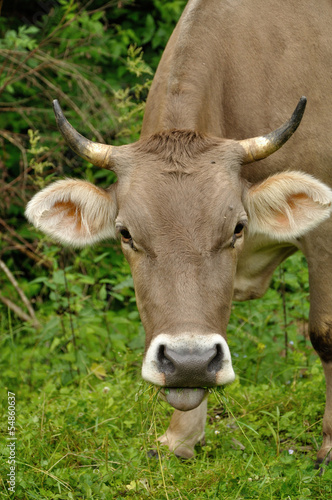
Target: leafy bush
x,y
90,61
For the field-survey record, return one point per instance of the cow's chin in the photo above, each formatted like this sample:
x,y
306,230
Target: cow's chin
x,y
184,399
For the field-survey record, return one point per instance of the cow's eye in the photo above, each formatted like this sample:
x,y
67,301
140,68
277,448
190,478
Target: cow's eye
x,y
238,232
125,234
126,238
238,229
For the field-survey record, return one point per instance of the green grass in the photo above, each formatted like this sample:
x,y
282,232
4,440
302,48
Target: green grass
x,y
85,420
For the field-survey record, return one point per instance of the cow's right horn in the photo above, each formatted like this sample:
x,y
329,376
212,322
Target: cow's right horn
x,y
260,147
100,155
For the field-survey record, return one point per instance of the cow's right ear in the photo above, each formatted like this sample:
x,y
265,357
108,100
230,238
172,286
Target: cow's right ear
x,y
74,212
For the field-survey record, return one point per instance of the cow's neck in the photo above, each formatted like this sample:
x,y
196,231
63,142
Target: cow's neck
x,y
186,93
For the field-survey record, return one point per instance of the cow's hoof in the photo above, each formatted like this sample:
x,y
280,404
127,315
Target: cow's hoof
x,y
183,456
322,463
202,442
183,459
154,454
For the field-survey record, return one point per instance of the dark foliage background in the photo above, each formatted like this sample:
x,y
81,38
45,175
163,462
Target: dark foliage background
x,y
98,59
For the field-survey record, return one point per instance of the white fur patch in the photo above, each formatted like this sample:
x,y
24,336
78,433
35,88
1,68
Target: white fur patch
x,y
287,205
74,212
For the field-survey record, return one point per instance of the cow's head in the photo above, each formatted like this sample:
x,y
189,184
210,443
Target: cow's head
x,y
182,211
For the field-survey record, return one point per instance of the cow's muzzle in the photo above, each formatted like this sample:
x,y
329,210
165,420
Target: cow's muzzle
x,y
187,367
186,364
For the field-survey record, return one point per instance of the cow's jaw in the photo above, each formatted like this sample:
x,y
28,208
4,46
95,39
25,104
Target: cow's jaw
x,y
186,364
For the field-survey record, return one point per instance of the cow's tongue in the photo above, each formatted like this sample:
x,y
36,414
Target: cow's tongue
x,y
184,399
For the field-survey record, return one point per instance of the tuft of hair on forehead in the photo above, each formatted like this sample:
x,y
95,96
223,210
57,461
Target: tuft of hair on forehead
x,y
176,147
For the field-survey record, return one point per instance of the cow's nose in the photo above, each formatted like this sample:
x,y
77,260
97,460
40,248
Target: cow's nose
x,y
188,359
190,367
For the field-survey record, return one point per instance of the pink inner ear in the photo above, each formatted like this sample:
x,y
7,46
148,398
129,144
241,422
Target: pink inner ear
x,y
300,199
296,203
68,210
282,219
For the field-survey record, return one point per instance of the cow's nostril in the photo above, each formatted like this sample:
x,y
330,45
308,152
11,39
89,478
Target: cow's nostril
x,y
215,364
188,361
190,367
165,364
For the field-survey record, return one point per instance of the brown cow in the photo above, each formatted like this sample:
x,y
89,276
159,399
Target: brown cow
x,y
201,220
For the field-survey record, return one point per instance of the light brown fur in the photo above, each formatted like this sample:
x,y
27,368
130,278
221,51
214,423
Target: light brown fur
x,y
235,69
185,430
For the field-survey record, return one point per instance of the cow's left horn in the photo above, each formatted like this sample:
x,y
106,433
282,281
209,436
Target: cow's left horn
x,y
100,155
258,148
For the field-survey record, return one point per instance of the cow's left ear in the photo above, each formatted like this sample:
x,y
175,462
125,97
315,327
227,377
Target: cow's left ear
x,y
74,212
287,205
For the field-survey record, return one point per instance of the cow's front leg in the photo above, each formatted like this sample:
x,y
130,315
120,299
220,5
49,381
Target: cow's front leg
x,y
185,430
321,339
320,325
317,247
325,453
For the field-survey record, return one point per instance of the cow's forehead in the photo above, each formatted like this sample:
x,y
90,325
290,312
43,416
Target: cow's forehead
x,y
165,202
